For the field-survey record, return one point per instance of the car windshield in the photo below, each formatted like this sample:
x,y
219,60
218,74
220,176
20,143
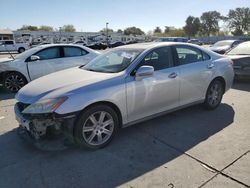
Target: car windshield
x,y
113,61
241,49
223,43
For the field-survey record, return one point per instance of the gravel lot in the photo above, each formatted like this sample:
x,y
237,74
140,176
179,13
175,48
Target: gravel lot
x,y
188,148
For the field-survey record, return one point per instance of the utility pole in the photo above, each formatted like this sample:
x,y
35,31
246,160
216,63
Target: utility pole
x,y
107,33
60,31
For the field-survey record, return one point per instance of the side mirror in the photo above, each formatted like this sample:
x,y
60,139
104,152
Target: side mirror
x,y
34,58
144,71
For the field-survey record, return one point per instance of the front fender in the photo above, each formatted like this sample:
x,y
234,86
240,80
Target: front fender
x,y
79,100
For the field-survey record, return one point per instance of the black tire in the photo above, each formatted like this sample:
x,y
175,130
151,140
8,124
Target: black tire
x,y
214,95
90,138
14,81
21,50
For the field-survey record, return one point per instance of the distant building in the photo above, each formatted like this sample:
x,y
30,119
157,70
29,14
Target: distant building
x,y
6,34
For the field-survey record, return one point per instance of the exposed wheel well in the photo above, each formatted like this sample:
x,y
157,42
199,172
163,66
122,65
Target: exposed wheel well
x,y
222,80
110,104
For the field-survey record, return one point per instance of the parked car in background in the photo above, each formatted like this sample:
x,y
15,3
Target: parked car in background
x,y
40,61
132,42
97,46
121,87
171,39
116,44
195,41
11,45
223,46
80,42
241,58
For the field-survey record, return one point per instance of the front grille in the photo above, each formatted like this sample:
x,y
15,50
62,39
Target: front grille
x,y
21,106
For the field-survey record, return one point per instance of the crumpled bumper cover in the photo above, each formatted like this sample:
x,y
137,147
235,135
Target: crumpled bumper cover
x,y
45,127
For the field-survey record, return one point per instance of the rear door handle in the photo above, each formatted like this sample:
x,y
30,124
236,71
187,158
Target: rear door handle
x,y
172,75
210,66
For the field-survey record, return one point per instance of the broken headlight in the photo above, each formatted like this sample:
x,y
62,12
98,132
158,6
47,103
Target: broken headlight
x,y
44,106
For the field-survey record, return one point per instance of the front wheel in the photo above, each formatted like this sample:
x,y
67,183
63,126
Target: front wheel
x,y
214,95
14,81
96,127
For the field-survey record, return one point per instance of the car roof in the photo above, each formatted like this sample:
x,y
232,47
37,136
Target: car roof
x,y
53,45
150,45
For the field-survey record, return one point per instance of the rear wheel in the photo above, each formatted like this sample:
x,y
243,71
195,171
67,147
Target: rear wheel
x,y
14,81
21,50
96,127
214,95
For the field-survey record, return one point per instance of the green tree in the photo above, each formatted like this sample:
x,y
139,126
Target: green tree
x,y
104,30
133,31
68,28
192,26
46,28
167,29
239,20
157,30
210,22
119,31
28,28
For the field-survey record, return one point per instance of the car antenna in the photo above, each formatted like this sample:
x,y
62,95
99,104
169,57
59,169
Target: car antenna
x,y
9,52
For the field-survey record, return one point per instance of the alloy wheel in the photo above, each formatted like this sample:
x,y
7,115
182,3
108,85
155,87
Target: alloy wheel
x,y
215,94
14,82
98,128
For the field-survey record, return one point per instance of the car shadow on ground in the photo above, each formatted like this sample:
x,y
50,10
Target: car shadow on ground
x,y
136,150
5,95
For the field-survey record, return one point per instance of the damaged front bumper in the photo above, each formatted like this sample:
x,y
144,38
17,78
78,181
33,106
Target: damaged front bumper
x,y
43,126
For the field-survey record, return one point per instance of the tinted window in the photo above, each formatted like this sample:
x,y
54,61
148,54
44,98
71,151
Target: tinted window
x,y
188,54
73,52
160,58
9,42
49,53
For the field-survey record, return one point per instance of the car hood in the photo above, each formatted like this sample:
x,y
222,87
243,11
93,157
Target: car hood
x,y
5,60
62,83
219,48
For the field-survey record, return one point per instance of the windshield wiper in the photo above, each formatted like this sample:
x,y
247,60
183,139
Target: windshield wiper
x,y
93,70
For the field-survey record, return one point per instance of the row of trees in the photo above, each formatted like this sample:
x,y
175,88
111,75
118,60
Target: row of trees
x,y
237,21
127,31
65,28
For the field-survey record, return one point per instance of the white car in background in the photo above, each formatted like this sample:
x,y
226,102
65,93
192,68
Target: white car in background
x,y
11,45
40,61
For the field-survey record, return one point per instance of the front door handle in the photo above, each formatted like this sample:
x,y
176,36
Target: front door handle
x,y
172,75
210,66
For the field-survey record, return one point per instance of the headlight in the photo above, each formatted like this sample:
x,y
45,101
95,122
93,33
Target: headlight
x,y
44,106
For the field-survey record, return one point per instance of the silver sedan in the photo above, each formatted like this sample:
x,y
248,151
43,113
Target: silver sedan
x,y
121,87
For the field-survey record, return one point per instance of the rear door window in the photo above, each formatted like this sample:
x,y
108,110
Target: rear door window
x,y
74,52
188,54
